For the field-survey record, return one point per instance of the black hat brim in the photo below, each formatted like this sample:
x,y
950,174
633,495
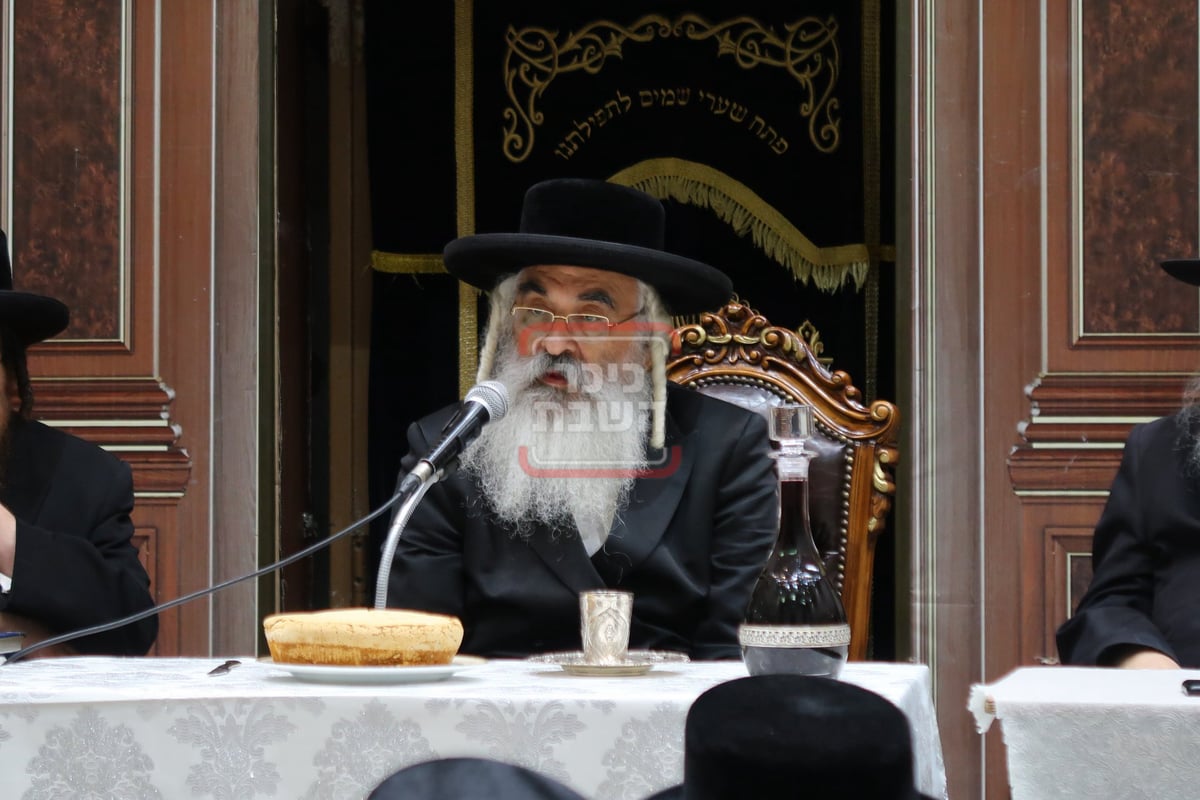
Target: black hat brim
x,y
679,792
31,318
1184,269
686,286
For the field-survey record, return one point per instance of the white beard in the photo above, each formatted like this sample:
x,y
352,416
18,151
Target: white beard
x,y
562,456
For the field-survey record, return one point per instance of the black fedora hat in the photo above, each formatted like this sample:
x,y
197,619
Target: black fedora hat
x,y
1185,269
25,317
591,223
470,779
783,736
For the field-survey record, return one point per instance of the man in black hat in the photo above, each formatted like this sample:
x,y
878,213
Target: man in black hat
x,y
470,779
600,474
66,557
795,736
1142,609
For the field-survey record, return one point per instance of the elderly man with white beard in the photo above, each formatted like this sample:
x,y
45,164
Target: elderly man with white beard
x,y
1142,609
601,475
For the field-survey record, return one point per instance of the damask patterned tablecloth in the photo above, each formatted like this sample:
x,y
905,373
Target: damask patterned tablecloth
x,y
1075,732
165,728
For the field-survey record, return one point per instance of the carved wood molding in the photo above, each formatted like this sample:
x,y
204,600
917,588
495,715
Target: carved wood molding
x,y
739,334
1112,394
129,417
1074,437
1068,571
102,398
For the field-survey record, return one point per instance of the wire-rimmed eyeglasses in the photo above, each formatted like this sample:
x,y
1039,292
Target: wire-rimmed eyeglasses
x,y
581,325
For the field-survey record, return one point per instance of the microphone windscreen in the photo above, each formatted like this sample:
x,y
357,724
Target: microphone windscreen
x,y
492,395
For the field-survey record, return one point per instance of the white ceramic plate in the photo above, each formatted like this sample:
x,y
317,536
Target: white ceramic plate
x,y
319,673
11,641
637,662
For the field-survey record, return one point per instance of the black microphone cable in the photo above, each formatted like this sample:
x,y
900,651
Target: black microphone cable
x,y
404,489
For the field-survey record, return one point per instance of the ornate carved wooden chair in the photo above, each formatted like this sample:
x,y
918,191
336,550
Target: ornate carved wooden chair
x,y
736,355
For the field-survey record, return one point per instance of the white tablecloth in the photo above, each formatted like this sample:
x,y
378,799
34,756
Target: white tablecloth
x,y
141,728
1095,733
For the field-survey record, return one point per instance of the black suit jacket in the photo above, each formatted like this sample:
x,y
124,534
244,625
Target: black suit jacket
x,y
690,547
75,564
1145,588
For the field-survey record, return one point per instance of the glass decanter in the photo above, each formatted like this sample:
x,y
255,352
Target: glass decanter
x,y
796,622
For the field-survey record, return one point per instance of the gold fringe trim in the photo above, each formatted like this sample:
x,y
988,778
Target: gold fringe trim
x,y
407,263
468,337
828,268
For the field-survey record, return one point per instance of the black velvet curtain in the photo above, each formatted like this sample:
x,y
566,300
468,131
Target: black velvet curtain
x,y
760,124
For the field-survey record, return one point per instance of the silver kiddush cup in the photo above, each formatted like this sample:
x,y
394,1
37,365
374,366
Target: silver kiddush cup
x,y
604,618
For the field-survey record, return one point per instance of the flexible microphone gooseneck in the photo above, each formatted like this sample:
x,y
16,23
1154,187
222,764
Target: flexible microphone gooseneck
x,y
485,402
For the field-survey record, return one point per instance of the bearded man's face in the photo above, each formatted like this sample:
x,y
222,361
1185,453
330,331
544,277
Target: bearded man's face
x,y
574,438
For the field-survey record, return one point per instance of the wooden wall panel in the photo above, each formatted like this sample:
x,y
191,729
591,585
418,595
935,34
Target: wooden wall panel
x,y
1121,132
941,488
1120,334
185,298
1117,194
67,158
1009,314
113,205
76,236
1068,570
1052,145
1137,127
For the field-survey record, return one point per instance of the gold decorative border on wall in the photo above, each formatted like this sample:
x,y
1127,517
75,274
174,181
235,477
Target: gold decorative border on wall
x,y
536,56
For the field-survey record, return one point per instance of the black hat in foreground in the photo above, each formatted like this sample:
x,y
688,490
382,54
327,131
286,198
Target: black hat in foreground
x,y
591,223
470,779
1185,269
27,318
782,736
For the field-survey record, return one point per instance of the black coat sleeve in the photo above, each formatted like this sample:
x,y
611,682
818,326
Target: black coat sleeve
x,y
1116,610
76,565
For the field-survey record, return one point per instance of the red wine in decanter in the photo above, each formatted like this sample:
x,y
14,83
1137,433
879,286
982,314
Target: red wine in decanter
x,y
795,622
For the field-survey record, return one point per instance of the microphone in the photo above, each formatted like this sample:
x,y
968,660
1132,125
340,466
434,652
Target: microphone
x,y
485,402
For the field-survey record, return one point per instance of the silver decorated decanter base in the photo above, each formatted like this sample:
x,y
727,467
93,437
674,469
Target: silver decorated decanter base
x,y
818,650
818,661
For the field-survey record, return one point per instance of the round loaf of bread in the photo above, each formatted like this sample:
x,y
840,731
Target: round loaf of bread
x,y
363,637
